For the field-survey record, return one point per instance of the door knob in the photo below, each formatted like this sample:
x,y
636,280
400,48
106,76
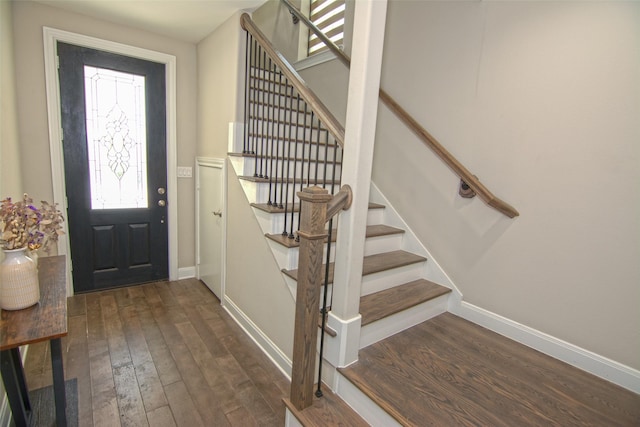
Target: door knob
x,y
162,203
218,213
161,190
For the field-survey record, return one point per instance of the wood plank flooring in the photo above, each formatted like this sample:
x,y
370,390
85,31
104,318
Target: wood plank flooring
x,y
162,354
450,372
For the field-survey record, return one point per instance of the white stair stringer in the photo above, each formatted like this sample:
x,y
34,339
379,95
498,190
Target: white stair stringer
x,y
432,270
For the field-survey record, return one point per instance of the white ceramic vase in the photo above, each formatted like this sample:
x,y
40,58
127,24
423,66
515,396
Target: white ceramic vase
x,y
19,287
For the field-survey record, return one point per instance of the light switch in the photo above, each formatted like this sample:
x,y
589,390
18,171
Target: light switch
x,y
185,172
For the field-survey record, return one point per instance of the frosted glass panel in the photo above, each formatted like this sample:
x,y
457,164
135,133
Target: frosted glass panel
x,y
116,138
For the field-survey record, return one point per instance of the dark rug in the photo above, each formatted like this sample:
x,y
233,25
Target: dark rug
x,y
44,406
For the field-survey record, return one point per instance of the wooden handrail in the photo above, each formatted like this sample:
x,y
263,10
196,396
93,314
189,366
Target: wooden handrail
x,y
328,120
463,173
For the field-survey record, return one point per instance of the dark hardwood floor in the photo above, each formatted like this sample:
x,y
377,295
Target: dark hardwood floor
x,y
450,372
162,354
167,354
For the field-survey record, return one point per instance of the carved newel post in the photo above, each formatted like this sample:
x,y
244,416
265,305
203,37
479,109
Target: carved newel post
x,y
312,235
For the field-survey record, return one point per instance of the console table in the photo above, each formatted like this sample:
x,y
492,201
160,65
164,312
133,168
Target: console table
x,y
45,321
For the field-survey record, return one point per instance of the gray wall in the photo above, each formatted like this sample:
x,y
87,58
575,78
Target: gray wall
x,y
540,100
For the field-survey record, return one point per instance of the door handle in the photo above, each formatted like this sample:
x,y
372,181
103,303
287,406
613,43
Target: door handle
x,y
161,203
218,213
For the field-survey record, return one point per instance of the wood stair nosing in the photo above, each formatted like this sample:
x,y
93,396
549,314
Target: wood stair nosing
x,y
377,230
390,301
373,263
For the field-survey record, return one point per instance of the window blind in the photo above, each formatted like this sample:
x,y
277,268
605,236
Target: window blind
x,y
328,15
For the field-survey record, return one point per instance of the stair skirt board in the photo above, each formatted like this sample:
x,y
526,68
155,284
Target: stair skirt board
x,y
268,347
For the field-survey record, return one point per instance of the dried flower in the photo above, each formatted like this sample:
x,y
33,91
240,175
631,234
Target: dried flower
x,y
22,225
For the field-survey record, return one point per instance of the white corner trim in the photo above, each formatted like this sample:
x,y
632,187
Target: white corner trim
x,y
598,365
51,37
186,273
267,346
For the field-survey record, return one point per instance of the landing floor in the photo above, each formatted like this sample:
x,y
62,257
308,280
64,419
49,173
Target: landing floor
x,y
450,372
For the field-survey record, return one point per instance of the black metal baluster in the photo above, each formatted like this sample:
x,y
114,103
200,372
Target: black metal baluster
x,y
304,147
289,114
255,100
271,131
281,143
247,96
293,136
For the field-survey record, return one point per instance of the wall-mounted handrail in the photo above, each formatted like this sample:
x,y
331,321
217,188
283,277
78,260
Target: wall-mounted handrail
x,y
328,119
458,168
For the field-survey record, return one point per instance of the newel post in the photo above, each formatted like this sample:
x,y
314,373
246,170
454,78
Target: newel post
x,y
312,235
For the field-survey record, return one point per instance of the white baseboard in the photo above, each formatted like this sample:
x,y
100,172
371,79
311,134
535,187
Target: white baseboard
x,y
186,273
586,360
260,338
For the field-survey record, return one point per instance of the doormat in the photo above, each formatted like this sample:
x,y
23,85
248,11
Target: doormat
x,y
44,405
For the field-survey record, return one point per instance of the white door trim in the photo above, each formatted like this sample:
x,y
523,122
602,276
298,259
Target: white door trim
x,y
51,38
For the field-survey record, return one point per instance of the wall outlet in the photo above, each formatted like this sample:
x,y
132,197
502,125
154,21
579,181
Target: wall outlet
x,y
185,172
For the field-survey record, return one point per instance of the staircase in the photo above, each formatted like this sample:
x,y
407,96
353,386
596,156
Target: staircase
x,y
285,149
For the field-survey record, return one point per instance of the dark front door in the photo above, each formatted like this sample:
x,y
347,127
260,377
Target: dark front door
x,y
114,144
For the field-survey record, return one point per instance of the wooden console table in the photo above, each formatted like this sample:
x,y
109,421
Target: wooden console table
x,y
45,321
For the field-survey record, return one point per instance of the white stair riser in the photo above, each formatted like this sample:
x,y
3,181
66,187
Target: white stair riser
x,y
275,222
380,244
391,325
377,282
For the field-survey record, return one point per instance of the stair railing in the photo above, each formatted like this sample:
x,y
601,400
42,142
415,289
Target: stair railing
x,y
286,125
467,179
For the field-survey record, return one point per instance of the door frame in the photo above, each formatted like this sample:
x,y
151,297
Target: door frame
x,y
51,37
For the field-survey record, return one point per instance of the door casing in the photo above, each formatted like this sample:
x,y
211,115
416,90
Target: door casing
x,y
51,37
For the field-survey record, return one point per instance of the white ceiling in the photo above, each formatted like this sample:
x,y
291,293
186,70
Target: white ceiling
x,y
186,20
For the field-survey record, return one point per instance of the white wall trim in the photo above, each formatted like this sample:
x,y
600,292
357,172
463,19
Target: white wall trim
x,y
51,37
260,338
186,273
586,360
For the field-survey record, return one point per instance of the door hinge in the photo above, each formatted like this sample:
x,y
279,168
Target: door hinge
x,y
57,62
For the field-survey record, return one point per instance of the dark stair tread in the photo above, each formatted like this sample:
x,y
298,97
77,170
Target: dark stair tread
x,y
296,207
329,410
373,263
394,300
377,230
